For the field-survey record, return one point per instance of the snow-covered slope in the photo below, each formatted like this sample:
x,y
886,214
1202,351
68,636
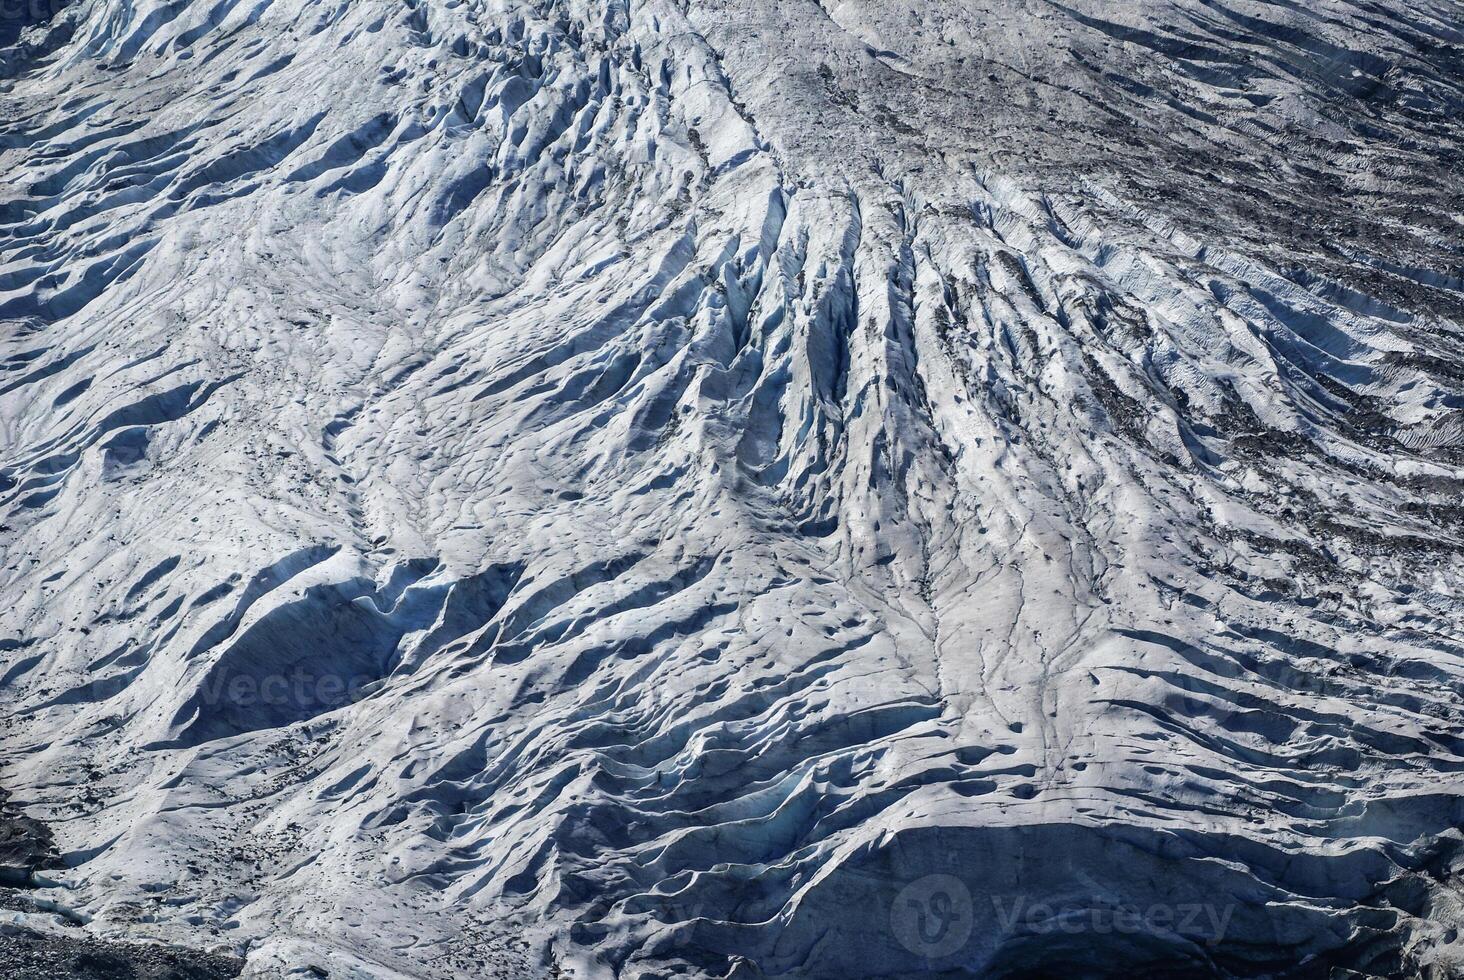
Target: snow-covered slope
x,y
764,487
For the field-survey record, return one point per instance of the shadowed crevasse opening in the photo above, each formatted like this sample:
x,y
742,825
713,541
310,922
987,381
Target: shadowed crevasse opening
x,y
18,16
331,645
1066,900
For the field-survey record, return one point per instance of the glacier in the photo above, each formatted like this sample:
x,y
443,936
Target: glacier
x,y
738,488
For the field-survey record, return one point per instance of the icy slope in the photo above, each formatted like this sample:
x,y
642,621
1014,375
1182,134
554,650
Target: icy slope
x,y
645,486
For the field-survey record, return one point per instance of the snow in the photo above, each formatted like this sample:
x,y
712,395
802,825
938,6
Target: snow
x,y
639,488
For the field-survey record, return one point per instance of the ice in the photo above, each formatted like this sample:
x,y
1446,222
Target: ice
x,y
755,488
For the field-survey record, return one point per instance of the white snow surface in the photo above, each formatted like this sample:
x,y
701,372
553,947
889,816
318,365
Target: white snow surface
x,y
626,487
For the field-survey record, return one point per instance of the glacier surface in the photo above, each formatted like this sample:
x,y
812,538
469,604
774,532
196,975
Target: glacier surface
x,y
739,488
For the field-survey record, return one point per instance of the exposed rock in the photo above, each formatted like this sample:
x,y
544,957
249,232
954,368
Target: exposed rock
x,y
28,954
